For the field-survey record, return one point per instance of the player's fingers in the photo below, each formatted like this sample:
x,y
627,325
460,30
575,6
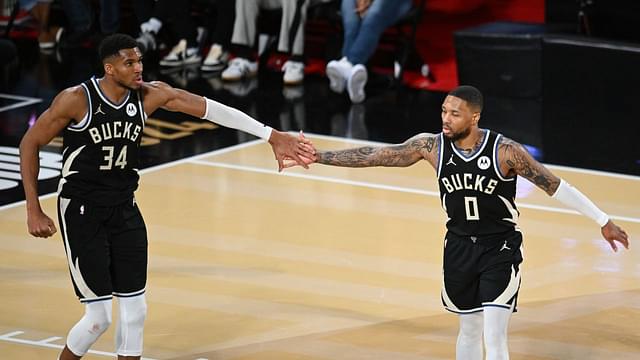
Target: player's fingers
x,y
613,245
301,162
280,163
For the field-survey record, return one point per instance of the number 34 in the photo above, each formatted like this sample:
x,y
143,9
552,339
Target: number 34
x,y
121,160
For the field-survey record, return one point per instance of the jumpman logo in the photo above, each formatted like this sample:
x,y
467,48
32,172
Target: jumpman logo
x,y
99,111
450,161
504,246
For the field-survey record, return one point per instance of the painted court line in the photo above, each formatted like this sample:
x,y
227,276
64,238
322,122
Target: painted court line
x,y
161,166
24,101
10,337
387,187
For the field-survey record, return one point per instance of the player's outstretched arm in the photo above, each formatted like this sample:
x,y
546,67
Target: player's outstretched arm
x,y
48,125
421,146
158,94
515,159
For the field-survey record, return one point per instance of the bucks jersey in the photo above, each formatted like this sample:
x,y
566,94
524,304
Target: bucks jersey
x,y
478,199
100,157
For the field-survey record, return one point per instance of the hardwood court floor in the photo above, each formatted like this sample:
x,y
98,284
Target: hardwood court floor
x,y
330,263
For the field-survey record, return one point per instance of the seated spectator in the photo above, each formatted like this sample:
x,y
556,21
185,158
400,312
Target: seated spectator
x,y
364,21
291,39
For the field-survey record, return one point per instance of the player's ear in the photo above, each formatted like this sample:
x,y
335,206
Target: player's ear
x,y
108,68
476,118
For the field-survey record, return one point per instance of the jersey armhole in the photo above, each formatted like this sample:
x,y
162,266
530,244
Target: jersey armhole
x,y
439,164
86,120
496,162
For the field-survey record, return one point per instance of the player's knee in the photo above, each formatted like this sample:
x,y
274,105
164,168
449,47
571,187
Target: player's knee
x,y
98,316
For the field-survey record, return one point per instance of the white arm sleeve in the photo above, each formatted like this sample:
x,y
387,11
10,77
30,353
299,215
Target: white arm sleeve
x,y
574,199
233,118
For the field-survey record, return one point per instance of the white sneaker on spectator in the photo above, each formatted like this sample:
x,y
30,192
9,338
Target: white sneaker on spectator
x,y
356,82
216,60
338,71
181,55
293,72
239,68
146,42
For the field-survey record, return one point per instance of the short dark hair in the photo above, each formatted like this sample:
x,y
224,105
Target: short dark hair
x,y
112,44
469,94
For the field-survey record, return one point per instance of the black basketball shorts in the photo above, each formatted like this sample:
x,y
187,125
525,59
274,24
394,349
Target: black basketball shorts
x,y
106,248
481,271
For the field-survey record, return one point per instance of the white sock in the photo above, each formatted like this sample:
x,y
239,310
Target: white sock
x,y
469,344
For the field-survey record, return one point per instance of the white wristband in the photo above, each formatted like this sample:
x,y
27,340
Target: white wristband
x,y
573,198
233,118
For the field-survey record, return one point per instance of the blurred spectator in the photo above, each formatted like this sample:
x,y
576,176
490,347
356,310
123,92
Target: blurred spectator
x,y
39,10
291,39
80,15
364,21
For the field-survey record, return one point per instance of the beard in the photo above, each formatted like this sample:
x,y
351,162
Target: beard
x,y
459,135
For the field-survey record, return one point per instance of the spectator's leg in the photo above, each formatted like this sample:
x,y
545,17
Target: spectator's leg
x,y
380,15
350,23
294,13
183,25
143,9
244,25
109,16
223,28
78,13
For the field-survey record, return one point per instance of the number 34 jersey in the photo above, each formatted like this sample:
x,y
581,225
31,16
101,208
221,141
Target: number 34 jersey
x,y
101,152
478,199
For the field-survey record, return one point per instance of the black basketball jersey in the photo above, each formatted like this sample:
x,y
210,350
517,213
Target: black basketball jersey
x,y
478,199
101,152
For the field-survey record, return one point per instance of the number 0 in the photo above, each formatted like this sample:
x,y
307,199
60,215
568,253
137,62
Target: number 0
x,y
471,207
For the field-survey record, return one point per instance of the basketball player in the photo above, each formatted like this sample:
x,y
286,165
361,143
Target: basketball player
x,y
103,231
477,170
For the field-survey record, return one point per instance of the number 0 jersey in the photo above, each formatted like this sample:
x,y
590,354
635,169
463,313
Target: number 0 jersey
x,y
101,152
478,199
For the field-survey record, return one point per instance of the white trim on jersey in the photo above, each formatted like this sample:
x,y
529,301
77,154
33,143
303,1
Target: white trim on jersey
x,y
477,153
104,98
86,120
74,268
496,164
129,294
440,152
513,211
143,115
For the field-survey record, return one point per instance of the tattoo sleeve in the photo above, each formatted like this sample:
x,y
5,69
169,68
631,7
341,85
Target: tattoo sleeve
x,y
401,155
519,159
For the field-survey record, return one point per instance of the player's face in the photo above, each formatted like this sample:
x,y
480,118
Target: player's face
x,y
457,118
127,68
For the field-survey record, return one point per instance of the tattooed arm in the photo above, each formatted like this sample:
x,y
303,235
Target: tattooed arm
x,y
422,146
515,159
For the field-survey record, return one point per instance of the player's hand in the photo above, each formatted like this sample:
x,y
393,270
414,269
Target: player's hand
x,y
309,145
287,146
612,233
40,225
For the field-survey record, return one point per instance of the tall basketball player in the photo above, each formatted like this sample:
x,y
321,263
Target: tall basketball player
x,y
103,231
477,170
